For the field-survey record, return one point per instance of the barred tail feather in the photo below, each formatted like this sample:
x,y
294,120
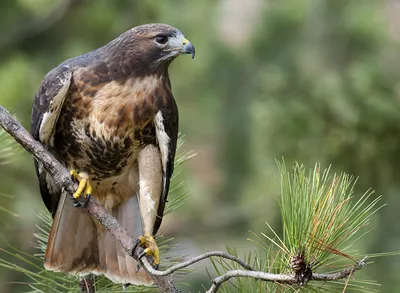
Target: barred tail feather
x,y
115,263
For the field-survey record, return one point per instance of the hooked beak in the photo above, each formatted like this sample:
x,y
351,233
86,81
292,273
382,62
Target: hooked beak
x,y
187,48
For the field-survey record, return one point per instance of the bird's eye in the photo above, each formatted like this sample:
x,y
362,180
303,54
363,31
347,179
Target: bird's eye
x,y
161,39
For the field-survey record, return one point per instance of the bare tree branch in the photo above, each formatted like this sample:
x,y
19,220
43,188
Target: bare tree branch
x,y
162,279
341,274
283,278
196,259
93,206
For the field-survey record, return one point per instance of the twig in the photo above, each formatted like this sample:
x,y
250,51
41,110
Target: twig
x,y
341,274
87,284
283,278
162,279
196,259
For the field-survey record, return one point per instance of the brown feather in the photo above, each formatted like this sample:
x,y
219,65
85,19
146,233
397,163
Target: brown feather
x,y
116,264
72,245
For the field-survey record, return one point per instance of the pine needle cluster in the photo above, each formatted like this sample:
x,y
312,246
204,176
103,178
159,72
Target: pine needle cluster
x,y
322,219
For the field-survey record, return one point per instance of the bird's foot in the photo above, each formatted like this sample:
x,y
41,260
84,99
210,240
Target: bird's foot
x,y
84,188
149,244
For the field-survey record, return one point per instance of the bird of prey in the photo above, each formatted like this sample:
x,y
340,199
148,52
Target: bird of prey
x,y
110,117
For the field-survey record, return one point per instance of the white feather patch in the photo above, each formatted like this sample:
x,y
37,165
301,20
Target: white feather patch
x,y
162,139
148,202
46,131
147,206
150,185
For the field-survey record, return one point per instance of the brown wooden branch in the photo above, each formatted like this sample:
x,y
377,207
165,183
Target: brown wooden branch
x,y
63,179
196,259
162,279
93,206
283,278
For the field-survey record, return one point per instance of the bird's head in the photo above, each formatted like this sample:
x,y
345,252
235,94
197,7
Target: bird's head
x,y
154,46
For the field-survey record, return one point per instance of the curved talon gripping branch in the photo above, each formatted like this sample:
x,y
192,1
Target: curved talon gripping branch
x,y
149,244
84,188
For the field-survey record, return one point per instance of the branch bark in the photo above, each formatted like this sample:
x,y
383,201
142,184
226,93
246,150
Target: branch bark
x,y
283,278
162,279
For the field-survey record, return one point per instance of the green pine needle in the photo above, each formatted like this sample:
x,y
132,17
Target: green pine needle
x,y
319,217
321,220
9,148
177,193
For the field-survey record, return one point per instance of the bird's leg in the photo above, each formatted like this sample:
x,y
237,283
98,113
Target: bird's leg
x,y
84,188
150,189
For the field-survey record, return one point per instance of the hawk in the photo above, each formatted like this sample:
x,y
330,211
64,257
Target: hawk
x,y
110,117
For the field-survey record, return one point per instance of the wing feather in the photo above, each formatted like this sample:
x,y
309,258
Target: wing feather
x,y
166,123
46,110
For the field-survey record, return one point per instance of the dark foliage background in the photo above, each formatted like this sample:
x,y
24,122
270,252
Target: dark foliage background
x,y
307,80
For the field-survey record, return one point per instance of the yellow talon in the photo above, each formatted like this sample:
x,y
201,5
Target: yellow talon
x,y
74,174
148,241
81,186
142,241
84,184
88,189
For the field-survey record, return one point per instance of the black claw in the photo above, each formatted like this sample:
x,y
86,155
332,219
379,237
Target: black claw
x,y
135,246
156,266
77,204
137,241
86,200
125,286
141,255
81,204
137,267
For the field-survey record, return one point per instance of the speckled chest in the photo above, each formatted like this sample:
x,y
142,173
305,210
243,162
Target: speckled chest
x,y
103,125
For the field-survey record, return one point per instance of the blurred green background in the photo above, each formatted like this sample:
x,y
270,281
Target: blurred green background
x,y
310,80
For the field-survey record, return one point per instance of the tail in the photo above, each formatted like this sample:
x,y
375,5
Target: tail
x,y
78,246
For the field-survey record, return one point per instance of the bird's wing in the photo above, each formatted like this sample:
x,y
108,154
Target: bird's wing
x,y
166,123
46,109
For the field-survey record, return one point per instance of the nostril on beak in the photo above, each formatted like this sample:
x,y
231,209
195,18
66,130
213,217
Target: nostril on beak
x,y
184,41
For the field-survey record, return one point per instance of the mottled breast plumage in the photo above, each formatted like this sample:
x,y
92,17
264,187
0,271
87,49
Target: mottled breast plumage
x,y
105,122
